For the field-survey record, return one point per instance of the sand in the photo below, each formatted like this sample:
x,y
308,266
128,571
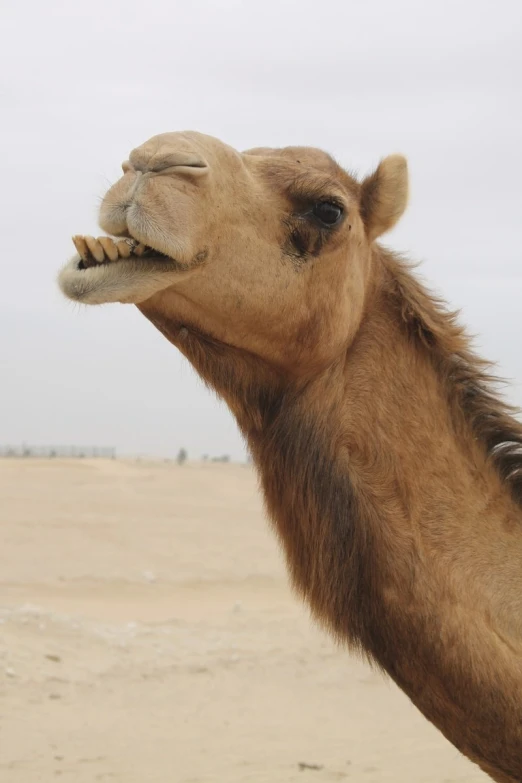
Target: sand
x,y
148,634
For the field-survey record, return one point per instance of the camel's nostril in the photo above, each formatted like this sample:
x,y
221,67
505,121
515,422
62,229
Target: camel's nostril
x,y
193,167
162,161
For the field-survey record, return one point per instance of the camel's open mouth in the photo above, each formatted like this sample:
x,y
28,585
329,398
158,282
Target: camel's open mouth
x,y
116,270
105,250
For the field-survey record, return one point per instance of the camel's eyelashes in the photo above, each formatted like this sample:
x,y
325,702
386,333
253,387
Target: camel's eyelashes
x,y
327,212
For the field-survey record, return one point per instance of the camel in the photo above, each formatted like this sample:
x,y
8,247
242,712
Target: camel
x,y
391,468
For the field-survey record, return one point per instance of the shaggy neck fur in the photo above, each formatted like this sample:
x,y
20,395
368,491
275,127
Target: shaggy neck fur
x,y
394,481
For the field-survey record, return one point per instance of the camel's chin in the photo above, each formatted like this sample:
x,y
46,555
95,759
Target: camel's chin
x,y
129,281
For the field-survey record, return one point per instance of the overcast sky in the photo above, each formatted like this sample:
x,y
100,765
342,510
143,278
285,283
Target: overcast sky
x,y
82,83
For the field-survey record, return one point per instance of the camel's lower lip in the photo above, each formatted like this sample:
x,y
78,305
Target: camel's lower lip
x,y
130,280
120,269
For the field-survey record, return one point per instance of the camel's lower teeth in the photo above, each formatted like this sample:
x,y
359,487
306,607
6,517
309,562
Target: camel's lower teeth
x,y
103,250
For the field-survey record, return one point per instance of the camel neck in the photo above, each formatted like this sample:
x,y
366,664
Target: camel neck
x,y
398,528
398,532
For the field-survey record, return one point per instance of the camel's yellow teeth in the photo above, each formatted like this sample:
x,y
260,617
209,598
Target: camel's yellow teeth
x,y
95,249
124,248
139,249
81,247
109,246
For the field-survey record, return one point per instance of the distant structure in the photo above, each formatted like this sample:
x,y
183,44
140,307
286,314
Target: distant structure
x,y
64,452
182,457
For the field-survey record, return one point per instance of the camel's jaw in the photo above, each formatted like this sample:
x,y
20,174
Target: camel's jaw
x,y
106,270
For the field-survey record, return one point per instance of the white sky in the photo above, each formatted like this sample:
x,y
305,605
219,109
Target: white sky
x,y
83,82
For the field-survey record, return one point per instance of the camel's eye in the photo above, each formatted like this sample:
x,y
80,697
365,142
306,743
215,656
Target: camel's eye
x,y
327,212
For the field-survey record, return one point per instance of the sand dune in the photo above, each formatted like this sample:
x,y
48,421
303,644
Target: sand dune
x,y
148,634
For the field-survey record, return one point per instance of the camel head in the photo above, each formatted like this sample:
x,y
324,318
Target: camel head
x,y
269,251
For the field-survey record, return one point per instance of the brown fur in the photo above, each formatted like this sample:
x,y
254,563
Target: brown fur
x,y
390,467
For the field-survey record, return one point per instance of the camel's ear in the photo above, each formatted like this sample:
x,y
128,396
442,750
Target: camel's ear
x,y
384,195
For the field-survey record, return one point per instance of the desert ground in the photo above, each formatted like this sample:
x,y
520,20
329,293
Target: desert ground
x,y
148,634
